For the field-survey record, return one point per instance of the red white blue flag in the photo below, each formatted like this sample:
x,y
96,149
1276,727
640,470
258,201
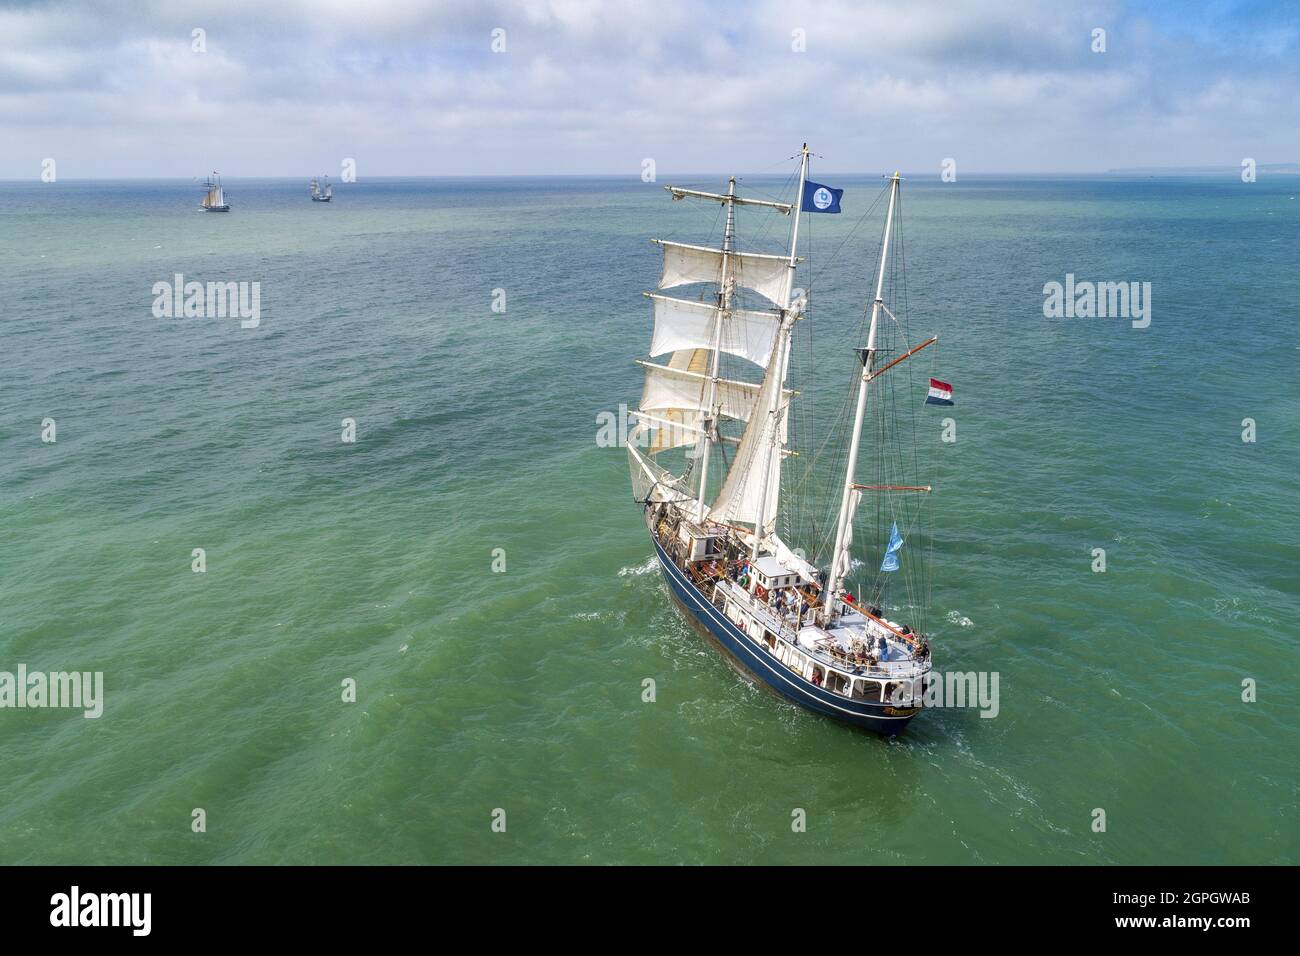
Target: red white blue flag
x,y
940,393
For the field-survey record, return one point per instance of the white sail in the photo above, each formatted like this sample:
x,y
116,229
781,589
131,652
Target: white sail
x,y
674,388
769,276
681,324
673,427
742,492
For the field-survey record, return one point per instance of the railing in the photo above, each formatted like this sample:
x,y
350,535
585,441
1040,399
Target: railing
x,y
907,670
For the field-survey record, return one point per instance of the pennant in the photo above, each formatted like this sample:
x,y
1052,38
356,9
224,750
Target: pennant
x,y
891,553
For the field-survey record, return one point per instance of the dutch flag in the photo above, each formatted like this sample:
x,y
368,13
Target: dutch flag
x,y
940,393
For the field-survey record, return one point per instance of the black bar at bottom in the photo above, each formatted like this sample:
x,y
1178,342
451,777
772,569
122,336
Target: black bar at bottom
x,y
912,907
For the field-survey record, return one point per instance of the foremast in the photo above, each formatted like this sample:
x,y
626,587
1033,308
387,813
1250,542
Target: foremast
x,y
725,293
696,334
848,501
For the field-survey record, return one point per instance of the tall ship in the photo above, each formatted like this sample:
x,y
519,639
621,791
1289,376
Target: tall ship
x,y
319,194
728,500
214,197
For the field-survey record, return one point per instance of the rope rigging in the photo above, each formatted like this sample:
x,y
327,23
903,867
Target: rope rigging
x,y
812,483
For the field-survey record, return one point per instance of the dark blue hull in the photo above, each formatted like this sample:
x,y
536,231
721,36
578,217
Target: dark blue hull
x,y
881,718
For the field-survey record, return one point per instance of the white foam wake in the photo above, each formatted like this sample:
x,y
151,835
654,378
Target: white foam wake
x,y
649,567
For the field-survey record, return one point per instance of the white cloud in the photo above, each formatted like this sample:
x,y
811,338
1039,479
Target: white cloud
x,y
414,89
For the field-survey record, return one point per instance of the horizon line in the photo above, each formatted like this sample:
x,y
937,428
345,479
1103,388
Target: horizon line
x,y
1132,170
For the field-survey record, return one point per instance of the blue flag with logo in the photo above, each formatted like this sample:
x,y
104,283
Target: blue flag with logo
x,y
891,553
819,198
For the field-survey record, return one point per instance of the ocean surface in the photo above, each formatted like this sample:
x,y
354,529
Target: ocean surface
x,y
520,690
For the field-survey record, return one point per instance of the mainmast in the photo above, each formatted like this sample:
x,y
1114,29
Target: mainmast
x,y
844,528
724,309
782,344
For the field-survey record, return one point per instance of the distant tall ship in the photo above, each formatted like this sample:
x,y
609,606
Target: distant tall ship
x,y
321,195
214,197
712,512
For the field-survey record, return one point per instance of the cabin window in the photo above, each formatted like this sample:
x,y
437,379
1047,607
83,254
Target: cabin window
x,y
733,611
771,640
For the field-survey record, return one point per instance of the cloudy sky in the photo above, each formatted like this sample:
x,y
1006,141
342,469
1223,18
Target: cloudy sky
x,y
413,87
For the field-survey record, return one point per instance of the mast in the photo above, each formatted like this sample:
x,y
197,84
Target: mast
x,y
839,558
724,309
782,344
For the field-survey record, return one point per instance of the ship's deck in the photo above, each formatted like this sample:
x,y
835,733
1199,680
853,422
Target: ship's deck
x,y
851,647
842,646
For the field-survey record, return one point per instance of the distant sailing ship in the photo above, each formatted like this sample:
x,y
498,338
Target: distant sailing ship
x,y
773,612
214,197
321,195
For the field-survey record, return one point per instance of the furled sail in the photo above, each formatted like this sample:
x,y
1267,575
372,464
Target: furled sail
x,y
742,492
681,324
841,560
769,276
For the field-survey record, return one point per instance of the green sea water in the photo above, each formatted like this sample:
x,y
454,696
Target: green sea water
x,y
476,430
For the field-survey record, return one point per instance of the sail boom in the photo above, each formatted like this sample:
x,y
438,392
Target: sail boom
x,y
772,314
754,387
668,423
876,373
892,488
677,192
755,256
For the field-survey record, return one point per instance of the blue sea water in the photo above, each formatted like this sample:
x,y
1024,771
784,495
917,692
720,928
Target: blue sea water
x,y
476,430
